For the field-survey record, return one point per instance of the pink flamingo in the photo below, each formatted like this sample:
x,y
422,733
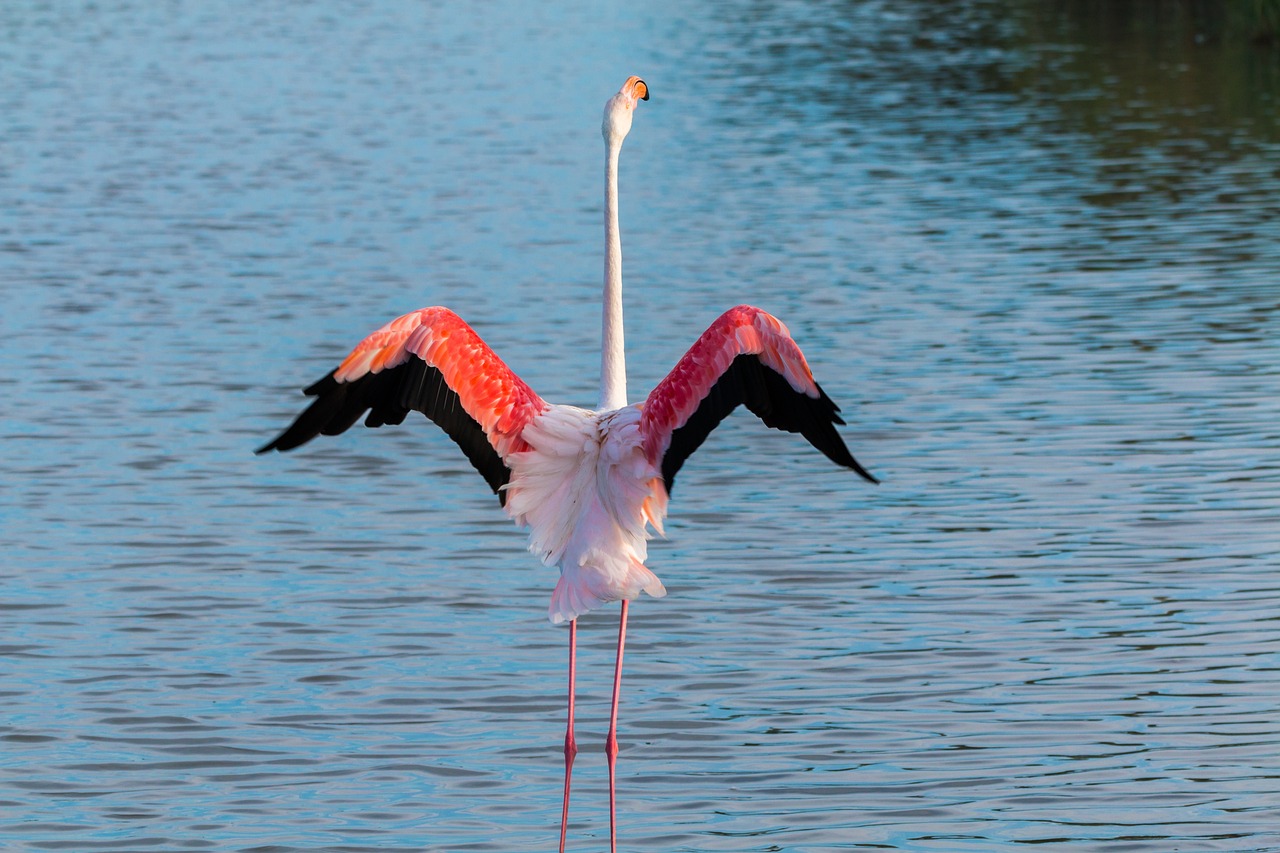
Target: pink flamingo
x,y
587,483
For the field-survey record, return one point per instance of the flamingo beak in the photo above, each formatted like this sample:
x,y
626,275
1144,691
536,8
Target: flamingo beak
x,y
637,88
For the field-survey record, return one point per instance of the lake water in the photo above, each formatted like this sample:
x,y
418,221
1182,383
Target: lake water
x,y
1033,253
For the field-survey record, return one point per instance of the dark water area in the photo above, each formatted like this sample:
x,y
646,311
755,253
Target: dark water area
x,y
1033,251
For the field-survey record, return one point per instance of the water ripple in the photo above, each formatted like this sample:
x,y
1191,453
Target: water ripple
x,y
1029,251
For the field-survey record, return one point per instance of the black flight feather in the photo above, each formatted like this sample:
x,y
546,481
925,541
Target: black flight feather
x,y
766,393
388,396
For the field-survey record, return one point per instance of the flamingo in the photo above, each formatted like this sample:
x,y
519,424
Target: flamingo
x,y
587,483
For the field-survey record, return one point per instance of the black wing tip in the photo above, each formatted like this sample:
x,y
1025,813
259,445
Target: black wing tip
x,y
296,435
289,439
833,447
281,442
768,395
387,397
864,473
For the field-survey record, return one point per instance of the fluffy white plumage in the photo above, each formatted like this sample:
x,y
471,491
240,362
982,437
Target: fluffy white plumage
x,y
588,496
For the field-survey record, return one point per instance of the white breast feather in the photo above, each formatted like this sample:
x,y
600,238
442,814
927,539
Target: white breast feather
x,y
585,491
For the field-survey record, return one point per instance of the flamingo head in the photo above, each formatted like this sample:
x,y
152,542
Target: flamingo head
x,y
619,109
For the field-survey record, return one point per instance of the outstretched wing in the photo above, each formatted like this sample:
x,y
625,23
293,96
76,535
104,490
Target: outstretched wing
x,y
432,362
746,357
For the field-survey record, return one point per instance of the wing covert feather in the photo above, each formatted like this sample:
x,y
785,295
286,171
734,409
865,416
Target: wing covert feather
x,y
432,362
746,357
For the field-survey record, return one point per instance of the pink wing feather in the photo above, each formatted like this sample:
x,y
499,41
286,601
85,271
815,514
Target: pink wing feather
x,y
490,392
746,357
429,361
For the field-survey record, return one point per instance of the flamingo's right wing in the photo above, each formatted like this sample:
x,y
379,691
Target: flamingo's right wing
x,y
432,362
746,357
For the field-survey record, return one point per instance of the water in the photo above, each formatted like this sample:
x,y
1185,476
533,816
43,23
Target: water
x,y
1033,254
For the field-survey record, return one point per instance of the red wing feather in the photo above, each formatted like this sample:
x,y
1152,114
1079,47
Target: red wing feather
x,y
746,357
432,362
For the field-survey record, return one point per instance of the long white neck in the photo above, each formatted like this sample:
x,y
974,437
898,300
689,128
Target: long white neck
x,y
613,367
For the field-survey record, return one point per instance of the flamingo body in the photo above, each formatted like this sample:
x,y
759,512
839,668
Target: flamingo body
x,y
588,496
589,485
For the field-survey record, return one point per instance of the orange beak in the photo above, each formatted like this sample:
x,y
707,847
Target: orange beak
x,y
637,88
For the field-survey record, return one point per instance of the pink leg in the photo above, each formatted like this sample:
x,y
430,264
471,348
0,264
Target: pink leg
x,y
570,745
611,743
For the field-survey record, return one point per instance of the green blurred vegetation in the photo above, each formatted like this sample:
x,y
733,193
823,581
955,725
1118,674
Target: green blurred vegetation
x,y
1257,20
1147,72
1201,21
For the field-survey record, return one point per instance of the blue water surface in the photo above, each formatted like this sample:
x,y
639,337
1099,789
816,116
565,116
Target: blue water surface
x,y
1033,253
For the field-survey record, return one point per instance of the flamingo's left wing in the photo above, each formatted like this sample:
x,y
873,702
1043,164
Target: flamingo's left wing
x,y
746,357
432,362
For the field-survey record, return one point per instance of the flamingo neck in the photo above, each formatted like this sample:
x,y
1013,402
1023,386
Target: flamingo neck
x,y
613,368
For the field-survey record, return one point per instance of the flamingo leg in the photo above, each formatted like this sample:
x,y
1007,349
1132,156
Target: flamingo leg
x,y
611,743
570,745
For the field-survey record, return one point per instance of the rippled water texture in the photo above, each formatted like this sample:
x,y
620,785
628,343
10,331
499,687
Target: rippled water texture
x,y
1034,254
